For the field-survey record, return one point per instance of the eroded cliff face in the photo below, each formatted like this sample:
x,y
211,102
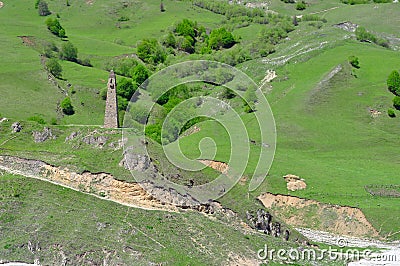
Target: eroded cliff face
x,y
102,184
307,213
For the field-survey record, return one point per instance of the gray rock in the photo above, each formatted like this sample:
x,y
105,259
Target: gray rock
x,y
132,161
71,136
16,127
43,136
98,141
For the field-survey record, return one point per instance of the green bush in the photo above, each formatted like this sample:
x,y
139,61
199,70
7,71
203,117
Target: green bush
x,y
103,94
391,112
54,67
150,51
355,2
301,5
364,36
55,27
396,102
139,74
53,121
69,52
37,119
393,82
126,88
353,60
221,38
66,106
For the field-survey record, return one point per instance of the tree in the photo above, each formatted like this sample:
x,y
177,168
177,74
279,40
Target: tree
x,y
150,51
301,5
353,60
139,74
391,113
126,88
55,27
221,38
393,82
69,52
43,9
396,102
67,107
54,67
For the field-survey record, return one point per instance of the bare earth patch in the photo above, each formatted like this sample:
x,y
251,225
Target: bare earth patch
x,y
294,182
1,4
307,213
218,166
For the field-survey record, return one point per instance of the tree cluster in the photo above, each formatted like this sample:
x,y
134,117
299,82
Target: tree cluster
x,y
393,85
364,36
53,24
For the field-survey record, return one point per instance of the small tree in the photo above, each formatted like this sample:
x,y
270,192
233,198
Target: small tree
x,y
139,74
391,113
67,107
69,52
301,5
43,9
54,67
55,27
353,60
126,88
393,82
396,102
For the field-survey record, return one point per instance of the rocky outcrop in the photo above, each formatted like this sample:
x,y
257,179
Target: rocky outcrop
x,y
42,136
16,127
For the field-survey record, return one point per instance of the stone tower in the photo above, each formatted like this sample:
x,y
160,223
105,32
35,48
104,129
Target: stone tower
x,y
111,114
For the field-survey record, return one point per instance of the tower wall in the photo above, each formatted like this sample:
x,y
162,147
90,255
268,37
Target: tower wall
x,y
111,113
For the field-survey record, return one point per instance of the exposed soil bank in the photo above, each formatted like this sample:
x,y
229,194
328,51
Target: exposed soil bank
x,y
307,213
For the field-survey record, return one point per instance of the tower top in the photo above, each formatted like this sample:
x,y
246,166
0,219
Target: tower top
x,y
112,74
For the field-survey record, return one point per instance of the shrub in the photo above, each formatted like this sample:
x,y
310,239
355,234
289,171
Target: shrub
x,y
67,107
53,121
391,112
43,9
85,62
139,74
396,102
301,5
221,38
103,93
122,103
37,119
393,82
69,52
150,51
126,89
55,27
353,60
54,67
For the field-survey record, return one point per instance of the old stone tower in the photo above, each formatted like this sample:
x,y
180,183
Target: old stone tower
x,y
111,114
